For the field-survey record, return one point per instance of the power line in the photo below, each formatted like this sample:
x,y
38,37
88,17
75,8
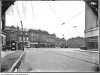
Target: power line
x,y
24,7
12,11
76,15
60,18
17,11
32,9
54,11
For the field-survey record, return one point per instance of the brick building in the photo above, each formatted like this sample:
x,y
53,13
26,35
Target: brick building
x,y
23,34
35,37
76,42
11,33
42,38
60,42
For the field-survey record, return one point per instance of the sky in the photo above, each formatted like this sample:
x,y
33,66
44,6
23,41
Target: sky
x,y
49,16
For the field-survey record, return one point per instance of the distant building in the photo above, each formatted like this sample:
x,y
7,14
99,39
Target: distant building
x,y
23,35
11,33
36,38
76,42
60,42
42,38
91,25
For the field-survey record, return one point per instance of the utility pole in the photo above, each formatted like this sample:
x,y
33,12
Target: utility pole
x,y
17,37
21,25
22,35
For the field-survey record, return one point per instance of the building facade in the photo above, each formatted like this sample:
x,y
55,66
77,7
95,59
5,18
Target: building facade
x,y
60,42
23,36
91,27
11,33
16,34
76,42
36,38
42,38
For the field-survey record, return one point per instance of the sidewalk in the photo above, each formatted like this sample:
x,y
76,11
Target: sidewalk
x,y
9,58
92,51
4,53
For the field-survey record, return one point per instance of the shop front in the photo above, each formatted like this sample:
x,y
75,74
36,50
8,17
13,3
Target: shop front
x,y
92,42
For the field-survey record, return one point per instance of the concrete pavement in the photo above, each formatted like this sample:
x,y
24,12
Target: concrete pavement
x,y
54,60
9,58
4,53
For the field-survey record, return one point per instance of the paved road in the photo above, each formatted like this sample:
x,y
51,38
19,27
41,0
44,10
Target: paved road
x,y
60,60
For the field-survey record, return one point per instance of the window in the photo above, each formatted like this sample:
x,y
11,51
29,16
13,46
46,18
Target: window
x,y
20,39
34,34
31,34
34,39
31,39
27,38
26,33
37,35
23,38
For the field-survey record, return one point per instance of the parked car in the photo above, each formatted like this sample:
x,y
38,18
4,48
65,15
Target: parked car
x,y
83,47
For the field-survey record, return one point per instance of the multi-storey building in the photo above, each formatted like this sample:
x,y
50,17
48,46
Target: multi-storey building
x,y
40,37
16,34
35,37
44,39
11,33
60,42
91,24
76,42
23,35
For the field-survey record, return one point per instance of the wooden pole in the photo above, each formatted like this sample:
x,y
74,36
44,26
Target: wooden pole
x,y
22,34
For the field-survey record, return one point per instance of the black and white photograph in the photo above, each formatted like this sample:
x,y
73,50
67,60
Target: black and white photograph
x,y
50,36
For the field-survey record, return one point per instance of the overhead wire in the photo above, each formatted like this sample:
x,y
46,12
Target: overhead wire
x,y
24,7
32,10
12,11
17,9
76,15
54,11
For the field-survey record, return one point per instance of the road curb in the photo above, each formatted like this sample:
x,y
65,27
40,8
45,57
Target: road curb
x,y
17,63
8,61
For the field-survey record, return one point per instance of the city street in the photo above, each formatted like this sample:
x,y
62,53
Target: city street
x,y
60,60
39,36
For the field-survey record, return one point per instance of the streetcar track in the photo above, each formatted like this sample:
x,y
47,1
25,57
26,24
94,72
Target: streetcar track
x,y
74,57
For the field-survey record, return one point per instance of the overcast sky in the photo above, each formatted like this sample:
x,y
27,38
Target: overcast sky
x,y
49,16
